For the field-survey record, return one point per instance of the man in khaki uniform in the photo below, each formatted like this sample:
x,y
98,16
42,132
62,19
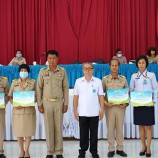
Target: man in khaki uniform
x,y
114,113
4,88
52,99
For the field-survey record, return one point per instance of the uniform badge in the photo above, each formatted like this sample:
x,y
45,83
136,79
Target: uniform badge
x,y
46,73
94,90
47,81
144,82
120,81
59,75
30,85
108,81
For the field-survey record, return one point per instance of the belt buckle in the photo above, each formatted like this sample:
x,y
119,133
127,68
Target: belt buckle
x,y
53,100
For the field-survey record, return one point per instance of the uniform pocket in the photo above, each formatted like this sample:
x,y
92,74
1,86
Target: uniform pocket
x,y
120,84
46,80
1,89
58,81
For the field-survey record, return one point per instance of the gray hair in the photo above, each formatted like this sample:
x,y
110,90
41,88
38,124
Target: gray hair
x,y
89,63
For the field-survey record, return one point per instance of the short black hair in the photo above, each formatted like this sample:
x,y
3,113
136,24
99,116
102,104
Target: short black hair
x,y
52,52
18,50
151,49
142,57
113,60
24,66
117,50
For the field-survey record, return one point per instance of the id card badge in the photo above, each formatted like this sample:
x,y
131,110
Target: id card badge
x,y
145,82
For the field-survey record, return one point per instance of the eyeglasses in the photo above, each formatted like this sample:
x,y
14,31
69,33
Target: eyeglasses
x,y
87,68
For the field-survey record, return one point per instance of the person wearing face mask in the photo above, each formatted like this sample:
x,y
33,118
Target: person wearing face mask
x,y
24,118
18,60
122,59
151,55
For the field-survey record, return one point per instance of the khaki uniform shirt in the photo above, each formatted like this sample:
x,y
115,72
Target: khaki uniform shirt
x,y
122,59
17,61
113,83
152,59
52,85
30,85
4,87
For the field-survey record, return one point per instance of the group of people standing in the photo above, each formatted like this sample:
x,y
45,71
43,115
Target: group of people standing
x,y
51,93
90,105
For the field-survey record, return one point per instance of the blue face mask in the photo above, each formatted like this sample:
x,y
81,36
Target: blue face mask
x,y
18,55
24,74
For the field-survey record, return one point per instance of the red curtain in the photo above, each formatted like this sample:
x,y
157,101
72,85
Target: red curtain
x,y
81,30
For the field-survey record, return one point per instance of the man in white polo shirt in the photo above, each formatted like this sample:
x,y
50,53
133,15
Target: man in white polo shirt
x,y
88,105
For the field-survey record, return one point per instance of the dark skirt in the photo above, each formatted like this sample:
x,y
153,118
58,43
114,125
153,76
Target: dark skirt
x,y
144,116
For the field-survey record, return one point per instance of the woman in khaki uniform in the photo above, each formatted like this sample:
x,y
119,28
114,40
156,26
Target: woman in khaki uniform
x,y
18,60
4,88
151,55
24,118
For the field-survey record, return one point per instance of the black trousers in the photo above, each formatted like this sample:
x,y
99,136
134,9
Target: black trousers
x,y
88,125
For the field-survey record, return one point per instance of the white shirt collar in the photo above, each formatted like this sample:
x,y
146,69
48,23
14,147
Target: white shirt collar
x,y
84,79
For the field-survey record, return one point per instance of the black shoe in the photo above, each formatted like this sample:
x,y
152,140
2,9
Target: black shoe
x,y
59,156
148,154
49,156
81,156
111,153
142,153
95,156
121,153
2,156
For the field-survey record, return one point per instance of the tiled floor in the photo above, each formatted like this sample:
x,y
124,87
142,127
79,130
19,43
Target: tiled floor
x,y
38,149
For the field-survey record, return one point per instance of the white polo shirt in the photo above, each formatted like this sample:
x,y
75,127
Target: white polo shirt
x,y
88,92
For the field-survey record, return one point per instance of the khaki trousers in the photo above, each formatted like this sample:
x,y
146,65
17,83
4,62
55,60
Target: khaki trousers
x,y
53,119
115,122
2,127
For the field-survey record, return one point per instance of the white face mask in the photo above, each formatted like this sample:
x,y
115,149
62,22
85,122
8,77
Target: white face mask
x,y
119,55
18,55
23,74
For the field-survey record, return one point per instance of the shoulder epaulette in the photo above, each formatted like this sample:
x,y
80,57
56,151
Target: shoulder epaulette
x,y
61,68
151,72
106,76
32,79
43,68
122,76
14,80
134,73
3,77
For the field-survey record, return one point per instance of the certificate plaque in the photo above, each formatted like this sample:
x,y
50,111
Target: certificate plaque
x,y
118,96
2,104
23,98
141,98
